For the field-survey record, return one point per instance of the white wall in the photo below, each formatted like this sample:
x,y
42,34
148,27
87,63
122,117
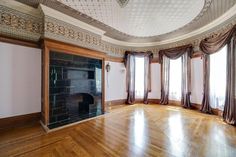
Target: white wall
x,y
197,80
115,82
20,80
155,81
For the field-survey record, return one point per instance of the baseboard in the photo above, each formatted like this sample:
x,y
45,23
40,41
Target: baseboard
x,y
114,103
123,101
194,106
214,111
17,121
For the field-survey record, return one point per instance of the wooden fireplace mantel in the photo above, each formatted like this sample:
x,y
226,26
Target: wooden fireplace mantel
x,y
52,45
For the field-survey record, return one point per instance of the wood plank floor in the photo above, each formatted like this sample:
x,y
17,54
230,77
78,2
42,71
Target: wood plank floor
x,y
137,130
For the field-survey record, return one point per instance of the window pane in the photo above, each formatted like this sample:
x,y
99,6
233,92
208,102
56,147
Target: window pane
x,y
139,77
218,78
175,79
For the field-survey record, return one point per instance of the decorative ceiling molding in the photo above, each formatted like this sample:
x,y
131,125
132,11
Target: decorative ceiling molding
x,y
56,14
122,3
211,11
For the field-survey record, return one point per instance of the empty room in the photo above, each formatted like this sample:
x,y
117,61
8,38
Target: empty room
x,y
117,78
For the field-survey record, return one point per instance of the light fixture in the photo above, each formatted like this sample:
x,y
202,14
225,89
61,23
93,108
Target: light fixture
x,y
122,3
108,67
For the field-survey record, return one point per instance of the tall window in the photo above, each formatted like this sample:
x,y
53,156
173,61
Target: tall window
x,y
175,79
139,77
218,78
98,73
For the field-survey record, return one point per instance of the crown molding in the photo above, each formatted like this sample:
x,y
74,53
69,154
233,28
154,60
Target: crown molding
x,y
23,8
68,19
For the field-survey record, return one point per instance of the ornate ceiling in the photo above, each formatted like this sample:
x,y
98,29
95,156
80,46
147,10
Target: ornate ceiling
x,y
141,20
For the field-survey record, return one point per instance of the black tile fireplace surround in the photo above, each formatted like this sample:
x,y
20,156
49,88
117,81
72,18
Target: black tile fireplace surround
x,y
75,88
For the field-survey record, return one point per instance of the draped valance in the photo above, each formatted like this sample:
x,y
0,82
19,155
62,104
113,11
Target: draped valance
x,y
144,54
214,43
174,53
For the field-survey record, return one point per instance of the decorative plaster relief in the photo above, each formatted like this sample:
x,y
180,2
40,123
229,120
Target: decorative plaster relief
x,y
19,25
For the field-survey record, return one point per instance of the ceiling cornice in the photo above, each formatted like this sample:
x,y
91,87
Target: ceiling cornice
x,y
21,7
58,15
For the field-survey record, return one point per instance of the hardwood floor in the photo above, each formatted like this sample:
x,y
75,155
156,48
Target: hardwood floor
x,y
137,130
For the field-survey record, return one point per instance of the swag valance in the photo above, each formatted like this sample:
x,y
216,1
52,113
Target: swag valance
x,y
176,52
148,54
214,43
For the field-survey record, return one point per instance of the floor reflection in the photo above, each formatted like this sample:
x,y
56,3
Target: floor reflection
x,y
175,134
139,138
139,132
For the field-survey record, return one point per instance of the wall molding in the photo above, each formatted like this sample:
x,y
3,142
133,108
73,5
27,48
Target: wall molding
x,y
20,42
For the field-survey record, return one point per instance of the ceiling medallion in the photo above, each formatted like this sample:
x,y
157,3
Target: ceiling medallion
x,y
122,3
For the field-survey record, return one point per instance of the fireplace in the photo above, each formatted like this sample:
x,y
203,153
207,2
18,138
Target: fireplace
x,y
75,88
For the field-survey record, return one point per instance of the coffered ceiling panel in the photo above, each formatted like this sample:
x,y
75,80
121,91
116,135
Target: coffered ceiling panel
x,y
141,20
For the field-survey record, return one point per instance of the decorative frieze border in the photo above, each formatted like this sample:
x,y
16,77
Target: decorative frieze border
x,y
20,25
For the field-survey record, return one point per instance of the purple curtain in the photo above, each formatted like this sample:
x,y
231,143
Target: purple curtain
x,y
186,80
229,113
185,53
130,78
130,74
147,78
206,108
212,45
165,67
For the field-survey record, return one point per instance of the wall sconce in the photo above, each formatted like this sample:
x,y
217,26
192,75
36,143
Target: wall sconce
x,y
108,67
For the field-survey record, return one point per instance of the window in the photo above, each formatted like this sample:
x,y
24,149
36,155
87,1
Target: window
x,y
218,78
175,79
98,73
139,77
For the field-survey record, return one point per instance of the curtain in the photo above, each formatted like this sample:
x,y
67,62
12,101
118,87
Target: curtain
x,y
186,80
229,113
206,108
165,67
216,42
130,76
210,46
147,78
185,52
